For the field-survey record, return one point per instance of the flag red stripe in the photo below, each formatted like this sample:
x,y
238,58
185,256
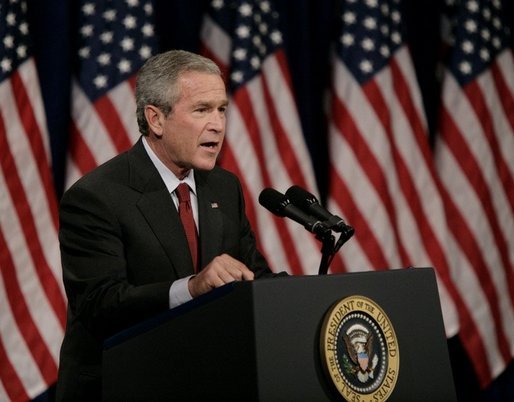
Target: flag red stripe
x,y
280,55
476,99
465,236
364,235
224,68
431,242
10,379
110,117
242,99
15,187
229,161
507,104
80,152
349,130
504,93
415,120
28,328
35,137
377,101
471,167
469,333
288,156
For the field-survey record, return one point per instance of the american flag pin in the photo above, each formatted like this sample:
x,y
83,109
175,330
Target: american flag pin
x,y
214,205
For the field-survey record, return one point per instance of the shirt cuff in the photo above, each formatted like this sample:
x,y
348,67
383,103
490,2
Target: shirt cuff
x,y
179,292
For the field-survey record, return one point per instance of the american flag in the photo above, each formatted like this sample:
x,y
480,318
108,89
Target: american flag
x,y
32,301
264,145
114,39
475,160
382,175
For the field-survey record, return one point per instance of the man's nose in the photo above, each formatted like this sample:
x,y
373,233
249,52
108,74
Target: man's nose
x,y
217,121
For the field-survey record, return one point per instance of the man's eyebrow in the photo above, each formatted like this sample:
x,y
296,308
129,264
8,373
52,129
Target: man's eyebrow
x,y
210,104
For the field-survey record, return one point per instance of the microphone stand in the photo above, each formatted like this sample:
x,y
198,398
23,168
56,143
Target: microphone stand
x,y
329,248
327,251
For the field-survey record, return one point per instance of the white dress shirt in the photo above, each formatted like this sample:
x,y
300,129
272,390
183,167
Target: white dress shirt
x,y
179,290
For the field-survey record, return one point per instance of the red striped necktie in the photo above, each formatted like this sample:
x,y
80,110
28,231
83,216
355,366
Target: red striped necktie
x,y
185,212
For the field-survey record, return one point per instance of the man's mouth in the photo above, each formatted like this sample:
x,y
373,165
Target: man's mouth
x,y
210,145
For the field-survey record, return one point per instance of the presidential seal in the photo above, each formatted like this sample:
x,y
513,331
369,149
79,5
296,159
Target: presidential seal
x,y
359,350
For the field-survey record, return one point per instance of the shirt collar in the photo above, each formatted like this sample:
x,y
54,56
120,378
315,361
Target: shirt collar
x,y
170,180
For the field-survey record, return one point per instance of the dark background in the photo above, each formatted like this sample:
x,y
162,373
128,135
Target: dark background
x,y
308,27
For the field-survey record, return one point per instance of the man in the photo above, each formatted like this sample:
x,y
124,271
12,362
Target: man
x,y
125,252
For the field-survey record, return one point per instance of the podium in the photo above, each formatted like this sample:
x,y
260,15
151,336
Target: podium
x,y
262,341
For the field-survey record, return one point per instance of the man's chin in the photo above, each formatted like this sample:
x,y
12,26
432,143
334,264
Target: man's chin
x,y
205,166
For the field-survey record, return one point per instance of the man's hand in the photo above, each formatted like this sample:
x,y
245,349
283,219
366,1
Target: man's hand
x,y
221,270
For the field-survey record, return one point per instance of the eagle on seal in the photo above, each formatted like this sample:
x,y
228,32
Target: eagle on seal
x,y
359,346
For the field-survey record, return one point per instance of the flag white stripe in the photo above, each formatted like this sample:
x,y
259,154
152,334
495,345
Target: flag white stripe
x,y
3,392
238,139
411,155
308,254
27,71
285,106
430,199
471,290
407,148
467,282
122,97
92,129
351,172
373,209
216,40
505,62
468,203
350,94
26,276
467,199
404,63
342,158
247,161
17,351
28,172
72,171
503,131
36,299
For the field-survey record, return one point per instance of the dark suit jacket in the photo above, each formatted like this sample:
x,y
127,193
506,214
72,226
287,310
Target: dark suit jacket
x,y
122,245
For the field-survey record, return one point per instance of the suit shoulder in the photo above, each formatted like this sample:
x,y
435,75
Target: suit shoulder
x,y
114,170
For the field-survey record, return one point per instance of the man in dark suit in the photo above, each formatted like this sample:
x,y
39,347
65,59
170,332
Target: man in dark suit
x,y
125,254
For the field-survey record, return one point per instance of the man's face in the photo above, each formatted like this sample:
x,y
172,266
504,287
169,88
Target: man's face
x,y
192,135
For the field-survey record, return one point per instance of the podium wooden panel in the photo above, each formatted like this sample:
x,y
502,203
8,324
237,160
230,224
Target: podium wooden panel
x,y
259,341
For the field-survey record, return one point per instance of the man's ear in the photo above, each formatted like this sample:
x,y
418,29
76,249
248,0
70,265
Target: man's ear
x,y
155,119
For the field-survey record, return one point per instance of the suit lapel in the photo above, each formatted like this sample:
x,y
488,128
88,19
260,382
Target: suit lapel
x,y
159,211
211,222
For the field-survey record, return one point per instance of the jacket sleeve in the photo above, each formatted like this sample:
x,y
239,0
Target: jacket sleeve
x,y
95,268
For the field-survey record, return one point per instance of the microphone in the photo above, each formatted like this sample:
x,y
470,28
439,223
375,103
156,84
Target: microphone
x,y
278,204
308,203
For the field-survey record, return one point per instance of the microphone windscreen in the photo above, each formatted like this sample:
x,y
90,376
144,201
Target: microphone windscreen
x,y
273,200
300,197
